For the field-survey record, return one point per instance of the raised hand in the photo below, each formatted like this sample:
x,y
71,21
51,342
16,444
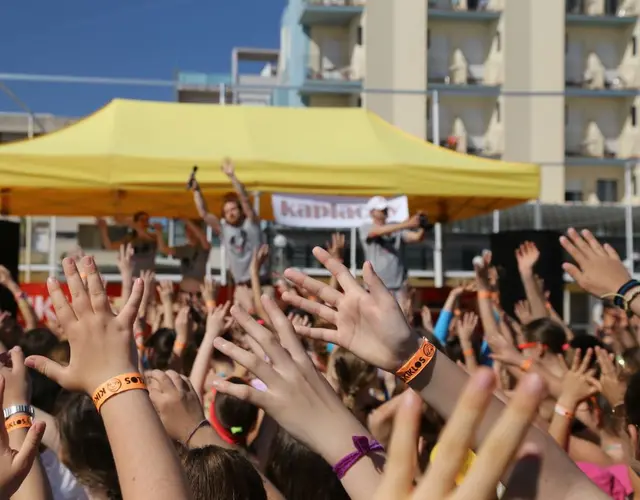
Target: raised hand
x,y
466,326
176,402
165,291
427,320
217,320
101,342
369,323
493,458
522,311
227,167
297,396
599,269
578,383
336,247
527,255
612,386
16,464
5,277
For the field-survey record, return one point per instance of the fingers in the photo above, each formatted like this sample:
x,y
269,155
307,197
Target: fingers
x,y
161,381
374,283
286,332
576,360
130,310
243,392
316,308
249,360
97,293
337,269
17,360
586,361
575,246
456,438
79,297
178,381
503,441
611,252
593,242
324,334
48,368
321,290
572,271
64,311
23,460
401,459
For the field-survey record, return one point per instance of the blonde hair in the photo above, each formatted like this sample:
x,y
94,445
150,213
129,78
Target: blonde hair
x,y
351,375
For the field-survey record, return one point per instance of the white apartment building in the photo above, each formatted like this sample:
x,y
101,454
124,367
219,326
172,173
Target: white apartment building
x,y
545,81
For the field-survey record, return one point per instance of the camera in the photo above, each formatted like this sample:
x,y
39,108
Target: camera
x,y
424,222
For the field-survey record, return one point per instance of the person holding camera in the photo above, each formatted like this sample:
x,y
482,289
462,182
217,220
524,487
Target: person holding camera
x,y
383,242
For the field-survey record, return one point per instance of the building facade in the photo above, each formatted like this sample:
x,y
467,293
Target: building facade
x,y
550,82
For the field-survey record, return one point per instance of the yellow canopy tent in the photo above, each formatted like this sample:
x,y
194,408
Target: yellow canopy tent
x,y
137,155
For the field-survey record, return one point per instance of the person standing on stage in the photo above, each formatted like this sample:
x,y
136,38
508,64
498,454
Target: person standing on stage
x,y
142,238
239,230
193,256
383,244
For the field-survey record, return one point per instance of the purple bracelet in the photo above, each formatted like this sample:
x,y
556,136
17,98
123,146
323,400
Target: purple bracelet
x,y
364,446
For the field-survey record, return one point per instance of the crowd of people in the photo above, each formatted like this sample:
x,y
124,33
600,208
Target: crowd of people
x,y
306,389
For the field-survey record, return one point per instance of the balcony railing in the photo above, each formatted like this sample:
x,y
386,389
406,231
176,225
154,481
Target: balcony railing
x,y
610,8
337,3
331,12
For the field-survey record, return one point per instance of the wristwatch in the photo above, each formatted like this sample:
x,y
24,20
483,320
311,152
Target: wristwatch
x,y
15,409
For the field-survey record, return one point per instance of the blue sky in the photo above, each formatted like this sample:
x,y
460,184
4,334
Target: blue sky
x,y
124,38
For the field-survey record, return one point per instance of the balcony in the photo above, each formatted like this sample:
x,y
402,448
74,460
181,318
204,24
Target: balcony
x,y
202,81
331,12
589,78
590,147
339,80
465,10
601,13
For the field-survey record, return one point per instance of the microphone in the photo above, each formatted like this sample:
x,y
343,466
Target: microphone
x,y
192,178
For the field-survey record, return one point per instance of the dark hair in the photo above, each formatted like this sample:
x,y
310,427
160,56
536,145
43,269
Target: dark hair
x,y
221,474
632,400
234,413
547,332
352,375
85,448
44,391
299,473
140,214
159,348
38,341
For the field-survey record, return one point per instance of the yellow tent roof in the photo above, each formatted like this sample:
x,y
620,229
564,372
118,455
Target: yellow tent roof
x,y
137,155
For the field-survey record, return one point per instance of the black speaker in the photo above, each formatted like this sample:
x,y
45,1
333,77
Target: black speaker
x,y
9,257
548,267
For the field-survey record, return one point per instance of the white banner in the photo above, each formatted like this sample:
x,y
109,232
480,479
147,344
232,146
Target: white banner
x,y
328,212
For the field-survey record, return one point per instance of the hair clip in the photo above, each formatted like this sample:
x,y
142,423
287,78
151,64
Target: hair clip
x,y
236,430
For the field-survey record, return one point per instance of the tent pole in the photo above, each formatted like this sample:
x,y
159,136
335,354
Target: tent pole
x,y
223,94
172,232
628,215
352,250
29,221
496,221
256,202
53,234
438,273
28,243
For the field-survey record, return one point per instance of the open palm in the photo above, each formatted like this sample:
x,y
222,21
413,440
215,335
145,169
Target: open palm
x,y
369,323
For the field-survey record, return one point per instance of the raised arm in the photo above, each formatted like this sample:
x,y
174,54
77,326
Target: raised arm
x,y
200,234
28,314
104,235
201,206
229,170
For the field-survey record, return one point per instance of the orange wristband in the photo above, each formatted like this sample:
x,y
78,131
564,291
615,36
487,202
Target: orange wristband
x,y
417,363
211,304
525,366
116,385
469,352
179,346
17,422
485,294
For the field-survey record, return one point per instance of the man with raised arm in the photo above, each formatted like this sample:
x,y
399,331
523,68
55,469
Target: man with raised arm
x,y
383,242
239,230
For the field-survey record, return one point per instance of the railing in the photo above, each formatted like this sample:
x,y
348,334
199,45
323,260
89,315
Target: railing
x,y
337,3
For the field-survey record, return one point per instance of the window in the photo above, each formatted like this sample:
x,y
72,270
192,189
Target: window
x,y
573,190
498,113
607,190
566,114
566,43
428,38
498,42
634,116
634,45
359,36
359,103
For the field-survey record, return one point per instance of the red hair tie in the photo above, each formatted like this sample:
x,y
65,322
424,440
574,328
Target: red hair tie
x,y
566,347
223,432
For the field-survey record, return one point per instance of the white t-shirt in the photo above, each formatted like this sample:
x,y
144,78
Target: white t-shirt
x,y
63,483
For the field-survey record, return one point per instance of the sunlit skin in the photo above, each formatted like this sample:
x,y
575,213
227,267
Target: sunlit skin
x,y
232,213
379,216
